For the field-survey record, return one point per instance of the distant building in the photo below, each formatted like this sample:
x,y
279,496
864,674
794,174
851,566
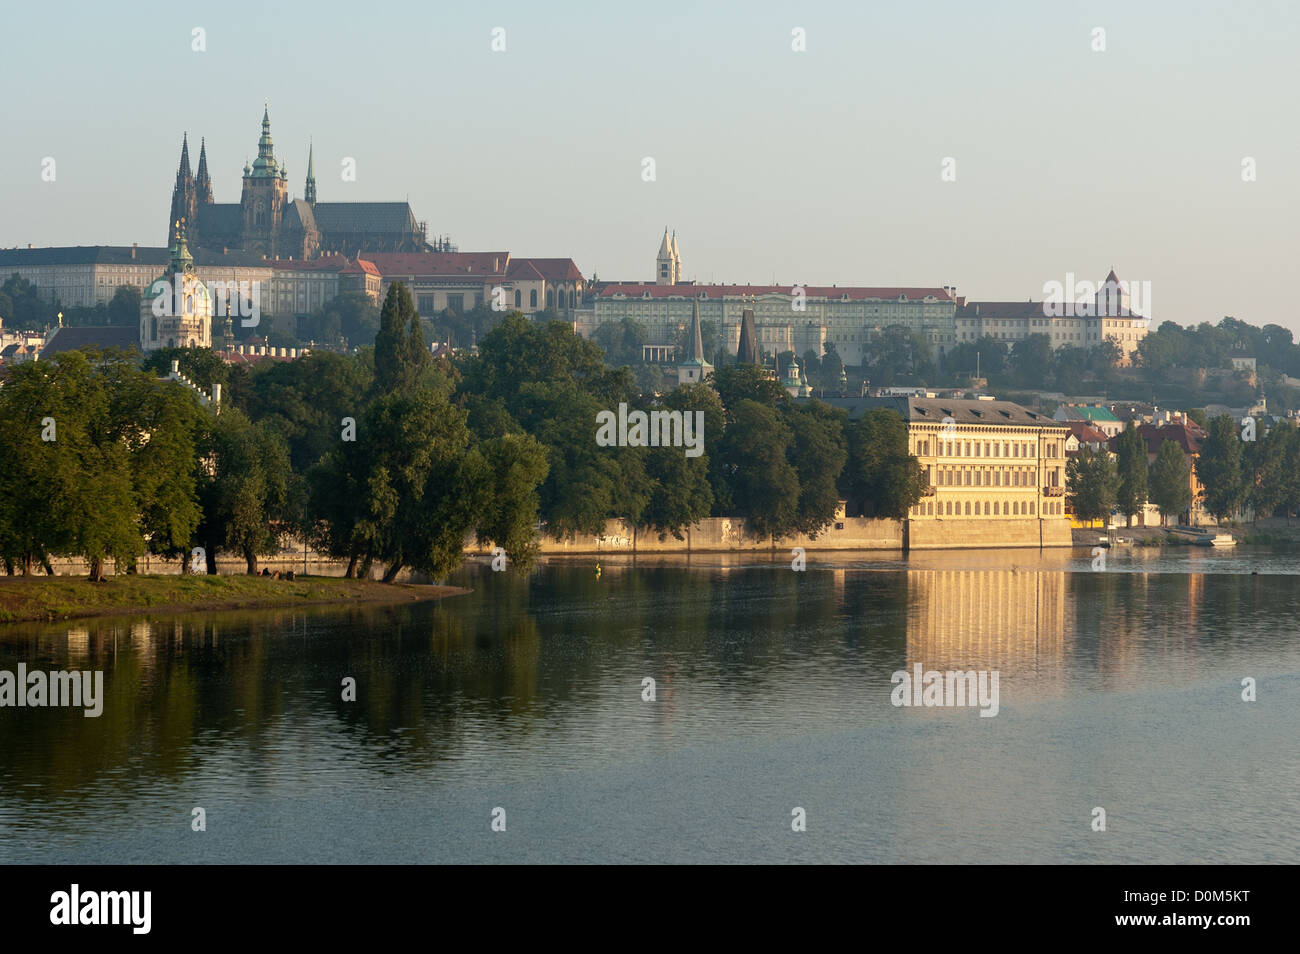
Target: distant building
x,y
266,221
1102,418
1189,438
462,281
176,311
983,460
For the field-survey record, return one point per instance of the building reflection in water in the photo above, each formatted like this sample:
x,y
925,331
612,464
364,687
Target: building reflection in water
x,y
1009,620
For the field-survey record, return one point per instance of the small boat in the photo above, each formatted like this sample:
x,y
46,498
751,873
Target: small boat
x,y
1203,537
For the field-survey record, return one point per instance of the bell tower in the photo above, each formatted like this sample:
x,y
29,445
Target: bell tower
x,y
264,197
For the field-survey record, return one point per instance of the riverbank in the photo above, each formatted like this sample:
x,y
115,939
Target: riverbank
x,y
49,598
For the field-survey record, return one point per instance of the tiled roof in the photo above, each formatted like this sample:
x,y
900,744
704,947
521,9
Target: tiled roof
x,y
521,269
84,255
92,336
360,265
1187,437
488,264
332,217
552,269
853,293
961,410
1086,433
1002,309
1085,412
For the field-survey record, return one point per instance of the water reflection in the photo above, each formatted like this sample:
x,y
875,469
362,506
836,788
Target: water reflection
x,y
527,680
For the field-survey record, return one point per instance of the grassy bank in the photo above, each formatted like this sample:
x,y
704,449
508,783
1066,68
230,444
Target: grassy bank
x,y
66,597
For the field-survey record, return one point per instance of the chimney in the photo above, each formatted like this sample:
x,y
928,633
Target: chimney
x,y
134,247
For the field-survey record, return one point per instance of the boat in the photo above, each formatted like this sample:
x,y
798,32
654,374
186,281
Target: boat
x,y
1203,536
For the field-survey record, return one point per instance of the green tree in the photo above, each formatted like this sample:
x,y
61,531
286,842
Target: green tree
x,y
881,475
516,466
1265,463
400,354
1218,468
764,487
1131,464
818,454
245,493
1092,481
1170,480
681,487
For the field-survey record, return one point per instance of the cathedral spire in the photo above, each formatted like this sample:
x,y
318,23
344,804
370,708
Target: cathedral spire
x,y
183,172
310,192
202,181
265,166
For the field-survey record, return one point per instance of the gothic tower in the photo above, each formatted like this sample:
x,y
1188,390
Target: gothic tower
x,y
309,193
184,193
264,197
202,183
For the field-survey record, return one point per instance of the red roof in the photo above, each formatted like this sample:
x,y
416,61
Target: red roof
x,y
1186,436
552,269
396,264
361,265
1085,433
853,293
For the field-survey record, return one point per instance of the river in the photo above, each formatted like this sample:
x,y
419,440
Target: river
x,y
1119,689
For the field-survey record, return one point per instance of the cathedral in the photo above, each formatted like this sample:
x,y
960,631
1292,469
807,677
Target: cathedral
x,y
267,222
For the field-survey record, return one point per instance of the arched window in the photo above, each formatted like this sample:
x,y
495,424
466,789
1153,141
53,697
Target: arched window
x,y
519,298
532,298
573,300
968,508
995,508
986,508
550,298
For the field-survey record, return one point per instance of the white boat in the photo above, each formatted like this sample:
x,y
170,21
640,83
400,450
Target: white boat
x,y
1203,536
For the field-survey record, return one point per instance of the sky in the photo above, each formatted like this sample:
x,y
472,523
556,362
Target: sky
x,y
821,166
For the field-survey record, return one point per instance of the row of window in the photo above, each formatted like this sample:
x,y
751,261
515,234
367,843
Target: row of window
x,y
984,477
991,508
983,449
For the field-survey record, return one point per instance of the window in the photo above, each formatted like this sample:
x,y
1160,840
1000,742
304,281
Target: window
x,y
425,306
456,303
532,298
519,298
1031,508
968,508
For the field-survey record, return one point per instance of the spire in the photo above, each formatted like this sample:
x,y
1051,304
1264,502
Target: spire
x,y
309,193
665,250
747,351
265,166
202,181
182,260
695,343
183,171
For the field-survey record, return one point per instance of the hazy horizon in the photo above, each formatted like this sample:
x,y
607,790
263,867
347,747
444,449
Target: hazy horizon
x,y
818,167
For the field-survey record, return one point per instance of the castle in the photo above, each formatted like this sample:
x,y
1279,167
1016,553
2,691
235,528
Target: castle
x,y
267,222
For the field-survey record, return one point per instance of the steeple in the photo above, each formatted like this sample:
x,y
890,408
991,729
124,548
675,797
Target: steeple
x,y
666,272
747,351
183,172
182,260
265,166
309,193
202,181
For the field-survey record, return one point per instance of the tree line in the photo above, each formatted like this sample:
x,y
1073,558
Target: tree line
x,y
1238,466
390,456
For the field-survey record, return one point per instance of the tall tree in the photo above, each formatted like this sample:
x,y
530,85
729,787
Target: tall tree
x,y
1170,480
1219,468
1092,482
1131,464
881,475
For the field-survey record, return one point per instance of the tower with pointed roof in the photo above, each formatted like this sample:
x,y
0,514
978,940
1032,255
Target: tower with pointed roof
x,y
309,191
184,192
202,182
1112,299
694,367
176,309
747,350
264,197
667,265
